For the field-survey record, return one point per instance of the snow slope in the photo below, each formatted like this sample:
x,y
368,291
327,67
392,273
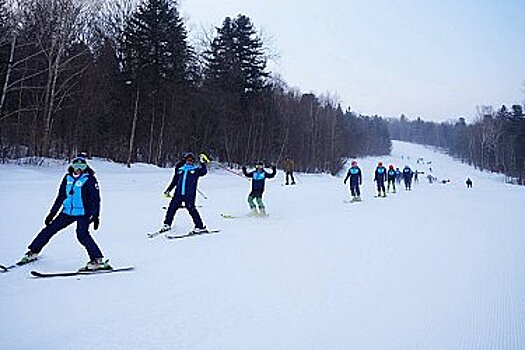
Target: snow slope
x,y
439,267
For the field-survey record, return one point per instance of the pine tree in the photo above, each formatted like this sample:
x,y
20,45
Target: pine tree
x,y
235,61
156,45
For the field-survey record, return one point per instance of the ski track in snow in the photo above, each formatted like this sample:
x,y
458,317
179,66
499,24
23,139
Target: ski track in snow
x,y
438,267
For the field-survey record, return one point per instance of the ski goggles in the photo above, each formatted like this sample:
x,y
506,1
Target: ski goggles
x,y
79,166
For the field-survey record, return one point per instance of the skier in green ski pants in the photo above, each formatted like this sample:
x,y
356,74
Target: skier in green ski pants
x,y
258,176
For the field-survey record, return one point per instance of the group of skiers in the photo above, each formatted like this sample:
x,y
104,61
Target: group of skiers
x,y
79,199
381,175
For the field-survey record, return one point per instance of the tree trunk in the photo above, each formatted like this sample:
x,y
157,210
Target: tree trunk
x,y
133,127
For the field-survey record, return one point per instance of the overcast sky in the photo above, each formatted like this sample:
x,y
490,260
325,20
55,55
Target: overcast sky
x,y
437,59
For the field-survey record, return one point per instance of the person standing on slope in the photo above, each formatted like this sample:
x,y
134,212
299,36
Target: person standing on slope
x,y
288,168
79,197
380,178
185,182
258,176
354,174
469,182
391,177
407,177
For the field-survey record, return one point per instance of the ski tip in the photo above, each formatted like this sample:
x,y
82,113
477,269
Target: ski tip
x,y
3,268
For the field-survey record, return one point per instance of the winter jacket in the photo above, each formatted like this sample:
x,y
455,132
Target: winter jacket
x,y
391,174
380,174
185,178
259,177
78,196
354,173
407,173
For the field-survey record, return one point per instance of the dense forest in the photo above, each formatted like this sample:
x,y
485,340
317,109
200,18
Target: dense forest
x,y
495,142
121,80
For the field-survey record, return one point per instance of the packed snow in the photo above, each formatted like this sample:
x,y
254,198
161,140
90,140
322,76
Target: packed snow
x,y
438,267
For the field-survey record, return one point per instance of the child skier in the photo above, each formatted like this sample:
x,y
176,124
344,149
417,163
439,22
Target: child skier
x,y
258,176
354,173
391,176
379,178
407,177
185,182
79,198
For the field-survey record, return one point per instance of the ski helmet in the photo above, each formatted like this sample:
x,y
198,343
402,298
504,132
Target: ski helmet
x,y
390,166
354,163
380,164
189,155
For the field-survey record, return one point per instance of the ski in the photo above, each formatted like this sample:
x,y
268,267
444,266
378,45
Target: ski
x,y
191,233
79,273
156,233
10,267
245,216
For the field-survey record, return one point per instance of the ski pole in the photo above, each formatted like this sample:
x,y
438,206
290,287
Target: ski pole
x,y
202,194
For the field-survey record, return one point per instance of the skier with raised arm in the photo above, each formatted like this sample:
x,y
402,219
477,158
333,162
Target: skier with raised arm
x,y
258,176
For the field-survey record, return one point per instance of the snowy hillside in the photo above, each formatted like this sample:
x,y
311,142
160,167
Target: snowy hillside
x,y
439,267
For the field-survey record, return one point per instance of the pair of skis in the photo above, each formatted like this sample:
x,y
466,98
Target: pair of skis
x,y
175,236
39,274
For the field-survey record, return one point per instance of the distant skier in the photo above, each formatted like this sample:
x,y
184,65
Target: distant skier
x,y
354,173
469,182
79,197
258,176
398,176
185,182
391,176
407,177
416,180
288,168
380,178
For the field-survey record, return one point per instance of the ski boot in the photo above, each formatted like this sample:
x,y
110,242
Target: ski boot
x,y
198,230
262,213
96,264
165,228
27,258
358,199
253,212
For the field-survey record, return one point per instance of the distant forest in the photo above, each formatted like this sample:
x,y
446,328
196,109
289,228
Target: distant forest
x,y
121,80
495,142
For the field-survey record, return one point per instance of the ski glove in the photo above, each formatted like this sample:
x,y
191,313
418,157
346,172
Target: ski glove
x,y
96,222
203,158
49,219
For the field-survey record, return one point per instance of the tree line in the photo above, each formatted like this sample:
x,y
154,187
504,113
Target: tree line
x,y
494,142
121,80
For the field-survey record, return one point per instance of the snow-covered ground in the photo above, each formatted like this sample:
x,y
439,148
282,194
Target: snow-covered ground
x,y
439,267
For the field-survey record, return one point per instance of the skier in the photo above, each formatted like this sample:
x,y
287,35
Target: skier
x,y
79,197
469,182
288,168
379,178
258,176
391,176
407,177
185,182
354,173
416,180
398,176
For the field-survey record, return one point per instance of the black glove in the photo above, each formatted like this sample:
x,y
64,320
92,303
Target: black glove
x,y
344,182
96,222
49,219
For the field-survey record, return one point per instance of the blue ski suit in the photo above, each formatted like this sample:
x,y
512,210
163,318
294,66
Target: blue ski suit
x,y
79,198
380,178
407,176
185,179
354,173
391,175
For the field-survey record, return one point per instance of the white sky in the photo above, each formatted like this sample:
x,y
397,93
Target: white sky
x,y
434,59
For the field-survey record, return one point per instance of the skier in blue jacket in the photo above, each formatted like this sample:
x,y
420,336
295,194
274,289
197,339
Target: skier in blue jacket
x,y
407,177
391,176
185,182
356,179
380,178
258,176
79,198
